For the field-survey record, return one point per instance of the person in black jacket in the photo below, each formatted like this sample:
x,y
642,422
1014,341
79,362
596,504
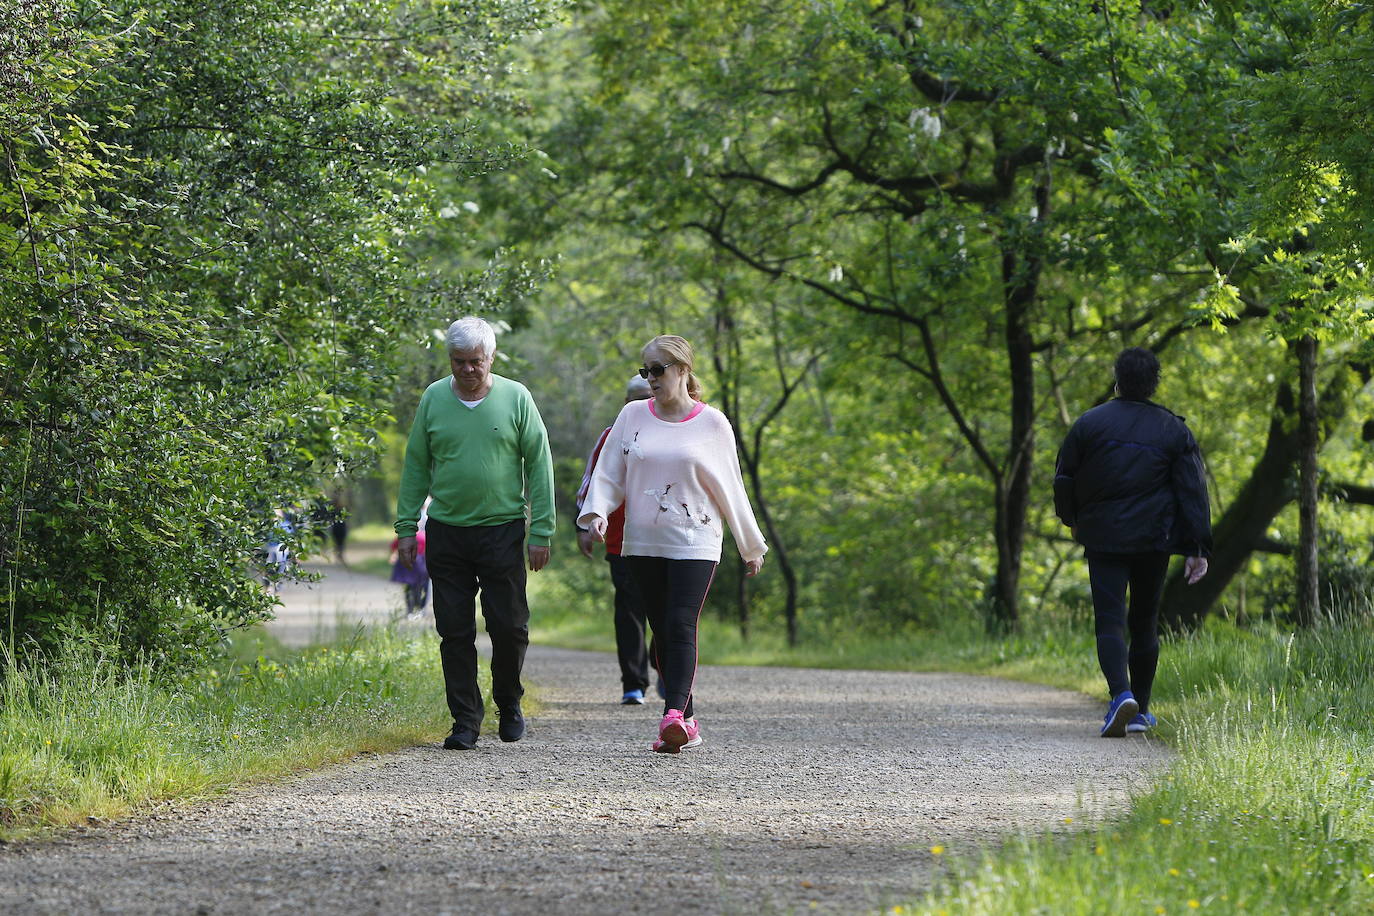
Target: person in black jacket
x,y
1129,483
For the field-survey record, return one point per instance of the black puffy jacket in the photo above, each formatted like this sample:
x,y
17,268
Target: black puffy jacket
x,y
1130,479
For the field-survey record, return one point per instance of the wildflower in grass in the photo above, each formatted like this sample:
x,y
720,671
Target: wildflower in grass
x,y
937,850
1159,909
1068,820
1193,904
1100,850
1174,872
1165,821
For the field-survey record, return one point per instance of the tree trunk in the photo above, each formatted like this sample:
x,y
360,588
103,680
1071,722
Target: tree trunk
x,y
1309,437
1020,285
1244,526
742,598
1244,523
777,549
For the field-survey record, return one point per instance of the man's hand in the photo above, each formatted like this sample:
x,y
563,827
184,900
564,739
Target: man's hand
x,y
584,542
405,552
598,528
539,557
1194,568
752,567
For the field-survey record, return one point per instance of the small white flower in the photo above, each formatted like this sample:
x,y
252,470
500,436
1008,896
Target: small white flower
x,y
471,206
687,165
836,274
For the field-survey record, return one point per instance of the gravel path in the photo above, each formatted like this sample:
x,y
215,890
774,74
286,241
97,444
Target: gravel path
x,y
814,790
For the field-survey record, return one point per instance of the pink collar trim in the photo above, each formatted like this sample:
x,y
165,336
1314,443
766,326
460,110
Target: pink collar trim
x,y
697,408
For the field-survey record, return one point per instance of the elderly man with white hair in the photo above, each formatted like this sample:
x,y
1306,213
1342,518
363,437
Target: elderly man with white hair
x,y
478,447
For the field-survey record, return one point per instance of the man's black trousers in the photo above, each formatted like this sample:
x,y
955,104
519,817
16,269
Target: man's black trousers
x,y
1110,575
630,621
463,561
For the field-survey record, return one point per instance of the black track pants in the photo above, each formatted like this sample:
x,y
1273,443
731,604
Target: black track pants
x,y
1111,575
674,592
630,620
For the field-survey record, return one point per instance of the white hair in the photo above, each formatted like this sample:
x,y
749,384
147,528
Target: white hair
x,y
471,333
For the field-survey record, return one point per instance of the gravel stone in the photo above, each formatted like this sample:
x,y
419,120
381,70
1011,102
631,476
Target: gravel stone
x,y
814,791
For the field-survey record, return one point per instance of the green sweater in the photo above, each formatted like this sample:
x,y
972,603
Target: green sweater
x,y
478,461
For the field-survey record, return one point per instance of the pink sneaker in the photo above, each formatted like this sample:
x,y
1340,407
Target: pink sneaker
x,y
675,733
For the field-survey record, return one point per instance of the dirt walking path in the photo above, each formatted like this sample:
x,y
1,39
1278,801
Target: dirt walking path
x,y
814,791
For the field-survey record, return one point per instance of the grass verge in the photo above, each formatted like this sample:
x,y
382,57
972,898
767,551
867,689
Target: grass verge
x,y
1268,808
81,739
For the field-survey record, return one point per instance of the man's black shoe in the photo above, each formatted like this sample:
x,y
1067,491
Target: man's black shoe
x,y
461,738
512,724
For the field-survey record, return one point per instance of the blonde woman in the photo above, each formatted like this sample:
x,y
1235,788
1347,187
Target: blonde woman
x,y
672,461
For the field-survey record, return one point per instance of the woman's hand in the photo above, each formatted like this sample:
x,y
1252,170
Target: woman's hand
x,y
597,527
752,567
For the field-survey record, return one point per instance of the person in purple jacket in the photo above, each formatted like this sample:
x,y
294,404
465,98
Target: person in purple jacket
x,y
1130,484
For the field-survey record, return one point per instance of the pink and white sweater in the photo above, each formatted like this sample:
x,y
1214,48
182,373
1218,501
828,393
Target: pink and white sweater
x,y
679,481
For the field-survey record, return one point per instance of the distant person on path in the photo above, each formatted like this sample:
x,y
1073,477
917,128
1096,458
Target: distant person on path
x,y
414,578
630,620
1130,485
672,461
478,446
338,524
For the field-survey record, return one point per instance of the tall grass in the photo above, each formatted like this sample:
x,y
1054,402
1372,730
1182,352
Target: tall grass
x,y
81,738
1268,808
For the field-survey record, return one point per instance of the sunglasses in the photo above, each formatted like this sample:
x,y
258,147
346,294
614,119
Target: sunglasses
x,y
654,371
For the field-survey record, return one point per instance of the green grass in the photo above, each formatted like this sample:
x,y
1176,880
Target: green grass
x,y
81,739
1267,808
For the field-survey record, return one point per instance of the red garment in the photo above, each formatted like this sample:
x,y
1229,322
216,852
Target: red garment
x,y
615,525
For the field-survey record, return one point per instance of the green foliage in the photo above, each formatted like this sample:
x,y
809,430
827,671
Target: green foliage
x,y
893,203
208,214
85,738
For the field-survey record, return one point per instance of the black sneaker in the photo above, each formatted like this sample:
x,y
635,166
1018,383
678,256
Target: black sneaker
x,y
461,738
512,727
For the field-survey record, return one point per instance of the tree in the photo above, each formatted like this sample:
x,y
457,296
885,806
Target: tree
x,y
206,213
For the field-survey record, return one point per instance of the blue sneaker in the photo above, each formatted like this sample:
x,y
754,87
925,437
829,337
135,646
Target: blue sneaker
x,y
1122,710
632,698
658,685
1143,722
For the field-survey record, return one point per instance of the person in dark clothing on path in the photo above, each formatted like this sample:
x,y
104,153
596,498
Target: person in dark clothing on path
x,y
1129,483
478,447
630,620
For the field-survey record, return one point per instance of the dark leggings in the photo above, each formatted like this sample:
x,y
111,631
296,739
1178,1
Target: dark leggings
x,y
673,592
1110,575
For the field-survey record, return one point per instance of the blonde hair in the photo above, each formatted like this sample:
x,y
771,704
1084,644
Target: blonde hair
x,y
681,352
